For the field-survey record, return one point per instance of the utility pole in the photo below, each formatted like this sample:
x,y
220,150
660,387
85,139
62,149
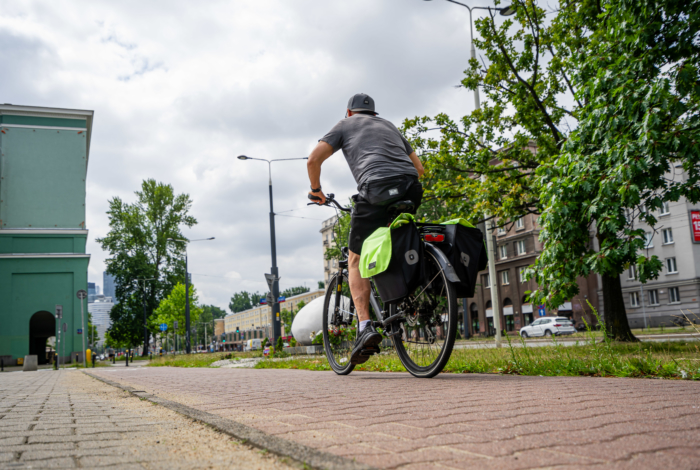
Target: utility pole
x,y
272,278
504,11
82,295
187,290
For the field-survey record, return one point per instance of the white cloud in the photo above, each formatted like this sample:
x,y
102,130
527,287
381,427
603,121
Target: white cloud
x,y
181,88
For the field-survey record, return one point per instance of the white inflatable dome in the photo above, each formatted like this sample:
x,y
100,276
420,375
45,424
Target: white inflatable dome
x,y
310,319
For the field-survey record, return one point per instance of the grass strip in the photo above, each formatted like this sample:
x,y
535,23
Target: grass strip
x,y
677,360
199,359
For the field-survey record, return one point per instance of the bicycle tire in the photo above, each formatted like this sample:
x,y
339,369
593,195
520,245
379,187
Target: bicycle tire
x,y
445,289
338,353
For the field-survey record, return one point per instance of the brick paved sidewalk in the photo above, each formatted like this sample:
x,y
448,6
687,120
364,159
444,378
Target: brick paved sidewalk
x,y
451,421
65,419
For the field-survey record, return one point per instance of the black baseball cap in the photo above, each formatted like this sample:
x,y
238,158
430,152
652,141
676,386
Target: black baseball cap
x,y
361,102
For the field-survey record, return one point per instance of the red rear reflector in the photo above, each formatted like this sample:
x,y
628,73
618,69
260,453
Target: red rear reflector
x,y
557,324
429,237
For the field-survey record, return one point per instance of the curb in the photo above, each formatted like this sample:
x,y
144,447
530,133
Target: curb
x,y
249,435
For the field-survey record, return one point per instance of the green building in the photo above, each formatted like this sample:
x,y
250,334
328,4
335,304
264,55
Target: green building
x,y
44,154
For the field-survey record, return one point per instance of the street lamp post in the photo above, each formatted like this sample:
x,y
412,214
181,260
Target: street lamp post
x,y
273,279
145,319
188,347
493,281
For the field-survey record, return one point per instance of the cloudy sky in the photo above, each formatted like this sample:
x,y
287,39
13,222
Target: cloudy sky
x,y
179,89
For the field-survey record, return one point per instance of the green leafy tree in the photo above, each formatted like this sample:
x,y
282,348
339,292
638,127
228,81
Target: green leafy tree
x,y
321,285
93,336
172,308
640,124
139,249
244,300
341,235
292,291
287,317
485,163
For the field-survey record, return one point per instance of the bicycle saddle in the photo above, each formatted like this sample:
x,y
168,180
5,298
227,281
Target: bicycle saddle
x,y
401,207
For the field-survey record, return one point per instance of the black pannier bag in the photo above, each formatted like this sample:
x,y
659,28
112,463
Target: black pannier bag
x,y
464,248
405,271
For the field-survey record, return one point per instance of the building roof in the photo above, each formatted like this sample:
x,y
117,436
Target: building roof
x,y
56,114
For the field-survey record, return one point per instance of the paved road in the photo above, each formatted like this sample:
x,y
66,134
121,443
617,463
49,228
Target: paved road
x,y
392,420
65,419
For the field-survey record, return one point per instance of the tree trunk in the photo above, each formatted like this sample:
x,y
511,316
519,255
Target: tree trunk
x,y
616,323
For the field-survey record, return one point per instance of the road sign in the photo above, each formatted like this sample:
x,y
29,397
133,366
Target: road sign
x,y
81,294
59,311
163,326
270,279
80,331
541,311
175,325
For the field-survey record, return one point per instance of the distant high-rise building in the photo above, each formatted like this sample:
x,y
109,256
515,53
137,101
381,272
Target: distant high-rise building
x,y
108,286
100,315
92,292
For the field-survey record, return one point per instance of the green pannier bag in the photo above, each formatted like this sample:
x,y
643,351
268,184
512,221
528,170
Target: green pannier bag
x,y
393,257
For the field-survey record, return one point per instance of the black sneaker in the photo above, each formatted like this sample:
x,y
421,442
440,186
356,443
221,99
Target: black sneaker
x,y
367,344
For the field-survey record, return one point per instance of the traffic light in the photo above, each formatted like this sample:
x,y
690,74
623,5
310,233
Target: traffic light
x,y
237,330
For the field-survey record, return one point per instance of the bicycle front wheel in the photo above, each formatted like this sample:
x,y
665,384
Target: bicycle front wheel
x,y
428,323
339,324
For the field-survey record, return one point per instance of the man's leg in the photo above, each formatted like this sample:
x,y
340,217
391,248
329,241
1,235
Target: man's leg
x,y
359,287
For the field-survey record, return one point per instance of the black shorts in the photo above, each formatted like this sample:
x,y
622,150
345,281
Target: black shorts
x,y
366,218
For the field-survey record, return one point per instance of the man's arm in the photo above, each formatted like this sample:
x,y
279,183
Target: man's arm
x,y
416,162
319,154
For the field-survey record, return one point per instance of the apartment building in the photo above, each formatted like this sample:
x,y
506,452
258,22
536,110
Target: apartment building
x,y
260,316
676,242
517,246
328,242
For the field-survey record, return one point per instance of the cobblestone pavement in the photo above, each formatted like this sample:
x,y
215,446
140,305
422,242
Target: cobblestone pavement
x,y
65,419
392,420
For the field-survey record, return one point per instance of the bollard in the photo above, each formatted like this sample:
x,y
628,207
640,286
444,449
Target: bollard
x,y
76,359
55,361
127,358
93,360
2,365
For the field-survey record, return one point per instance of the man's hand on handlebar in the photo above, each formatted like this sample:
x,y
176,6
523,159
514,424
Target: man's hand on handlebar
x,y
318,198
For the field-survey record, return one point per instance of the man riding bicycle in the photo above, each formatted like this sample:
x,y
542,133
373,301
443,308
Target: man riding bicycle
x,y
386,169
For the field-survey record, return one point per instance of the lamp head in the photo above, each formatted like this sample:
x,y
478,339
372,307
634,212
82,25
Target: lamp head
x,y
242,157
507,10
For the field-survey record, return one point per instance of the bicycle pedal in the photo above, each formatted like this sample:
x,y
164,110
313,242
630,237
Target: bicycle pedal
x,y
369,351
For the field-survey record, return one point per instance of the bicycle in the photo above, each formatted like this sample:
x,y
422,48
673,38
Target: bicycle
x,y
422,326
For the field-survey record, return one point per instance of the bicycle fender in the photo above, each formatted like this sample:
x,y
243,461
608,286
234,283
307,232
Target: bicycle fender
x,y
444,263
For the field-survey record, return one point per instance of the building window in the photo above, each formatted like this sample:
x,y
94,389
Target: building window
x,y
668,236
486,281
653,297
649,242
671,265
634,299
503,251
520,247
665,209
501,230
673,295
520,224
505,278
521,273
632,272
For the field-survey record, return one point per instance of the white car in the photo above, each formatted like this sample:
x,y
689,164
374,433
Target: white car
x,y
548,326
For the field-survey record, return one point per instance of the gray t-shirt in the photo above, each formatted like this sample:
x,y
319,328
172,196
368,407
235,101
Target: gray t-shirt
x,y
373,147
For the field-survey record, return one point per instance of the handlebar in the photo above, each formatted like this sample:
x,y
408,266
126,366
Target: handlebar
x,y
330,199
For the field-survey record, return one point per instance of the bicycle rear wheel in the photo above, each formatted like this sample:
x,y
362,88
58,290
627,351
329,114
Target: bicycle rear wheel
x,y
339,324
429,323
